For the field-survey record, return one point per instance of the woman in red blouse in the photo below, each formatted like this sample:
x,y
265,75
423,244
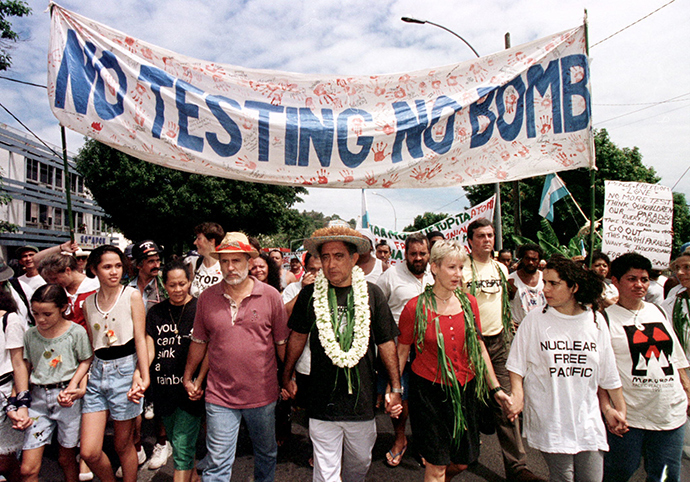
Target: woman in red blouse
x,y
451,372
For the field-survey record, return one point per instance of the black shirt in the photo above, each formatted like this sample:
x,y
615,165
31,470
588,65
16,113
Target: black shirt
x,y
328,397
170,327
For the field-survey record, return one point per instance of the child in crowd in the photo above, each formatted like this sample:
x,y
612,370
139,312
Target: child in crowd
x,y
11,348
119,375
58,355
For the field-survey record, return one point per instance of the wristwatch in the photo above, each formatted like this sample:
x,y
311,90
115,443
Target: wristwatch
x,y
397,390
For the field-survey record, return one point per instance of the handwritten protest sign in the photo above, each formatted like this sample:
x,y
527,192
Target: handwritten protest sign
x,y
638,217
518,113
453,227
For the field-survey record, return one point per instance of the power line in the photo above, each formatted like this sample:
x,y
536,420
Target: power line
x,y
644,108
32,132
640,103
635,22
22,82
681,177
650,117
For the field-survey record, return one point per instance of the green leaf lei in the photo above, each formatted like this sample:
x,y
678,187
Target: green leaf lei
x,y
344,333
506,316
680,318
427,304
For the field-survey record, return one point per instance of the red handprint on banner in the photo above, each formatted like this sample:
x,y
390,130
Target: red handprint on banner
x,y
388,128
479,72
347,175
171,130
245,163
578,143
389,182
322,176
520,148
380,151
97,126
369,179
563,159
545,124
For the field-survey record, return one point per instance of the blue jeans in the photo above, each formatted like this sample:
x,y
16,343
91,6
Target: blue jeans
x,y
223,425
662,452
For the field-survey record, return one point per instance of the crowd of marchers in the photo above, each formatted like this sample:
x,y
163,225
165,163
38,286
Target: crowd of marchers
x,y
586,363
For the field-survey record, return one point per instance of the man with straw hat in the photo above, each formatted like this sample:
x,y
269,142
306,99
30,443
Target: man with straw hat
x,y
348,318
241,325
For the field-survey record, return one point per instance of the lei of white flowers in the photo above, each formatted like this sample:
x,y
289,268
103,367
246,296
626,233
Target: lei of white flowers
x,y
360,339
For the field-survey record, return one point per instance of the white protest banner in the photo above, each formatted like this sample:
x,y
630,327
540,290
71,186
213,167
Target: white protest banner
x,y
453,227
638,217
518,113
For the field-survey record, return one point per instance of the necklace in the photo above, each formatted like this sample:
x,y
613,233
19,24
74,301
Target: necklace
x,y
445,300
179,318
635,314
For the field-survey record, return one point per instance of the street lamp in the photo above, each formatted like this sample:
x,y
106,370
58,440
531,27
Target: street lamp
x,y
422,22
395,215
498,227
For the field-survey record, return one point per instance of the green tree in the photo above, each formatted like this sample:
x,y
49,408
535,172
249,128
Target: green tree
x,y
613,163
425,220
144,200
9,8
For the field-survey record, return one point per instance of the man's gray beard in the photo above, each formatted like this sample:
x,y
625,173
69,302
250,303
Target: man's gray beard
x,y
237,281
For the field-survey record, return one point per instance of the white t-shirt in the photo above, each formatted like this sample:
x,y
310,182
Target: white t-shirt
x,y
303,364
527,298
205,277
375,272
563,360
399,286
489,293
34,282
648,357
11,337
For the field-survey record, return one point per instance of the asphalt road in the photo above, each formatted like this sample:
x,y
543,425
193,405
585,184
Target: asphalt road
x,y
293,460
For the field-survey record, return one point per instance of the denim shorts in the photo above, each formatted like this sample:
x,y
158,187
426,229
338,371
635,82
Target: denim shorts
x,y
109,382
49,415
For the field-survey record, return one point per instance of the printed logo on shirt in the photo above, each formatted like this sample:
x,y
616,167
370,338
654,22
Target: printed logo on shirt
x,y
650,350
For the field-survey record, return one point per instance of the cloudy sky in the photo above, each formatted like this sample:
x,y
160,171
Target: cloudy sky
x,y
640,76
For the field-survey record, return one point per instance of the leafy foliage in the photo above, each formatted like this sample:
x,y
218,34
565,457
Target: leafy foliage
x,y
145,200
425,220
9,8
613,163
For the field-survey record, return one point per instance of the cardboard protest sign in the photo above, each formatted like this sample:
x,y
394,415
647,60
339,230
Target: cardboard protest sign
x,y
517,113
638,217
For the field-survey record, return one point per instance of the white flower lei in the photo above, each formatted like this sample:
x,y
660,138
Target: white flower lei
x,y
360,338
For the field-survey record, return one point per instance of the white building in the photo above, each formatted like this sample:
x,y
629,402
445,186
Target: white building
x,y
34,178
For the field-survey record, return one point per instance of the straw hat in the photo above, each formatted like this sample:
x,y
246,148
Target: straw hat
x,y
235,243
337,233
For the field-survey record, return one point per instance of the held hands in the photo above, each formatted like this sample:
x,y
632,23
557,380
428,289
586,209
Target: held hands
x,y
193,388
393,404
510,409
136,393
615,421
289,389
20,418
67,397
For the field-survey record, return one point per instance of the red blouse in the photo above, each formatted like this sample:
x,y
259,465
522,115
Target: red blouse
x,y
452,327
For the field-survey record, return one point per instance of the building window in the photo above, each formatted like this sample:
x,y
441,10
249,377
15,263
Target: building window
x,y
46,174
77,183
30,213
57,217
32,168
58,178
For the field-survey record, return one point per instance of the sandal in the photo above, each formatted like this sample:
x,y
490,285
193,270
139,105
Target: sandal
x,y
390,462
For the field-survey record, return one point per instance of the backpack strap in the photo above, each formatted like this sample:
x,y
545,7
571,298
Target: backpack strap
x,y
20,291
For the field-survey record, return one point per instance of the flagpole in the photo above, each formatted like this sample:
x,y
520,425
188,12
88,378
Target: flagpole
x,y
592,170
68,184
